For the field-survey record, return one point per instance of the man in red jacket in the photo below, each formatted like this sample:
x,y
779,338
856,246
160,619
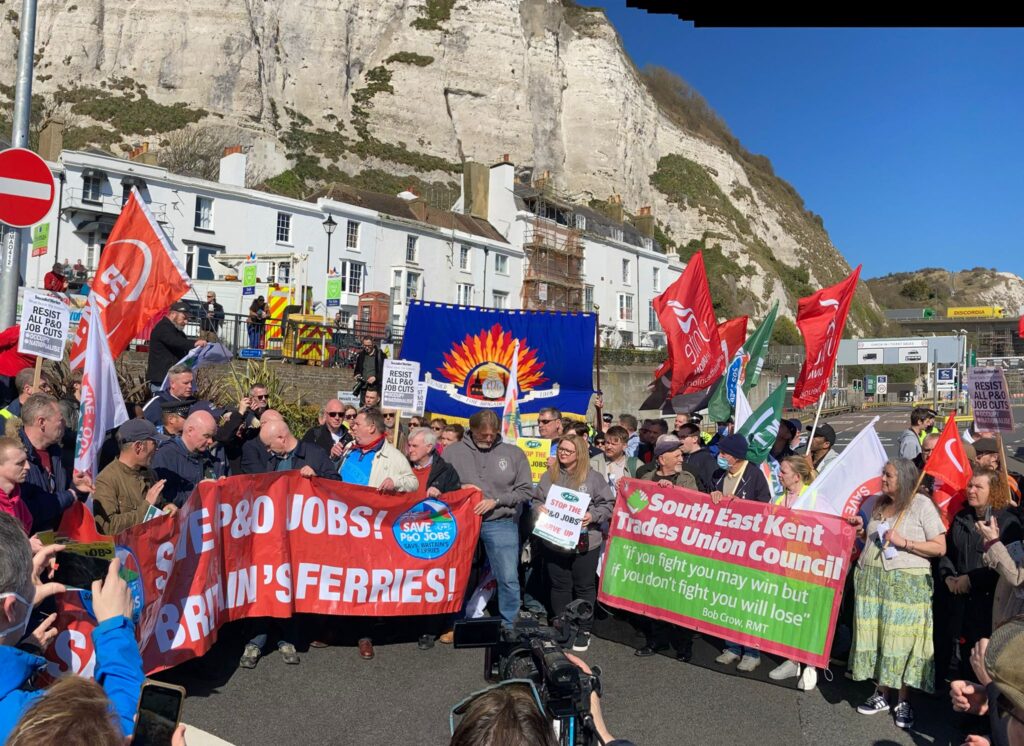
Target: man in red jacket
x,y
55,280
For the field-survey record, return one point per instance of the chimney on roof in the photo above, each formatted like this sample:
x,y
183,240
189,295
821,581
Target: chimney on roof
x,y
416,204
615,208
141,154
232,166
51,139
476,183
643,221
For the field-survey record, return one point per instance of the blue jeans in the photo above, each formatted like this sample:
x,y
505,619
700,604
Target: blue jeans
x,y
501,542
732,647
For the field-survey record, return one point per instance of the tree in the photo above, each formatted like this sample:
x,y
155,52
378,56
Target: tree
x,y
194,151
786,332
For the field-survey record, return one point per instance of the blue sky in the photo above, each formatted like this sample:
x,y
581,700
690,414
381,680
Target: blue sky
x,y
910,143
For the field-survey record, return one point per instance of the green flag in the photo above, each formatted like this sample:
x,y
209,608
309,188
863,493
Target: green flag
x,y
757,348
761,427
753,351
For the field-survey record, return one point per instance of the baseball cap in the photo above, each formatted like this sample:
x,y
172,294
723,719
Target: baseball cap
x,y
986,445
180,306
135,430
606,417
825,431
666,443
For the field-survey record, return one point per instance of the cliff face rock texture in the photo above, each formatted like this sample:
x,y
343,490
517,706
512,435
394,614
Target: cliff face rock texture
x,y
328,90
940,289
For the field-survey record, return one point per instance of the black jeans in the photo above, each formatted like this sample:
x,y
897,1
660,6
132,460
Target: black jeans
x,y
572,576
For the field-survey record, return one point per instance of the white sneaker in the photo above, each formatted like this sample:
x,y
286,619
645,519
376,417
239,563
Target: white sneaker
x,y
748,663
727,658
786,670
809,679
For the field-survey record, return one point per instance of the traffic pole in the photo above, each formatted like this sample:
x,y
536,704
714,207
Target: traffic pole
x,y
10,266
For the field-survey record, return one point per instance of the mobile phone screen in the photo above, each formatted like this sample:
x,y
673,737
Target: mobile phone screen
x,y
78,571
474,633
159,713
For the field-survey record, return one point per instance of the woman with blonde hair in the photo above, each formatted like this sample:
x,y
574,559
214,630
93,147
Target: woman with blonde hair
x,y
572,573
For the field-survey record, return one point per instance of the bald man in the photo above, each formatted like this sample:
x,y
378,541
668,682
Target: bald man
x,y
255,456
186,460
287,453
331,434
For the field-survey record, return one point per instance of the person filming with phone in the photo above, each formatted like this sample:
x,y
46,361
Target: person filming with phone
x,y
23,585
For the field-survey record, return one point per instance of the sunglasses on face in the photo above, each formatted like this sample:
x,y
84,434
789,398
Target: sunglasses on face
x,y
350,417
260,396
334,414
544,422
437,429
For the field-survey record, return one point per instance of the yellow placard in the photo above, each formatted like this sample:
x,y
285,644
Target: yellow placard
x,y
98,549
537,451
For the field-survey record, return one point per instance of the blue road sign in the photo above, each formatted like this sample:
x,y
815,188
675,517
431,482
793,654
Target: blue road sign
x,y
945,375
250,353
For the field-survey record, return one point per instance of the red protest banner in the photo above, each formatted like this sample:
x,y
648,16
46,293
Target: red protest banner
x,y
273,545
760,575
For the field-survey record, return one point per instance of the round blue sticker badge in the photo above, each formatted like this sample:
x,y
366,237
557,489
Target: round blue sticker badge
x,y
427,530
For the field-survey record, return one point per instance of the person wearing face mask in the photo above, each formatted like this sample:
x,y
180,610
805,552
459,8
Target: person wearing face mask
x,y
742,479
118,662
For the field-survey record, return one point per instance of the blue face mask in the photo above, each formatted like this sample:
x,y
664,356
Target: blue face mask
x,y
722,463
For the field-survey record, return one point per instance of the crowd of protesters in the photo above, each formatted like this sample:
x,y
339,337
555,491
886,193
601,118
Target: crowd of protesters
x,y
927,608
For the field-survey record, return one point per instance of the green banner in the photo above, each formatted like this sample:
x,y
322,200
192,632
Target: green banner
x,y
333,292
40,239
762,426
249,278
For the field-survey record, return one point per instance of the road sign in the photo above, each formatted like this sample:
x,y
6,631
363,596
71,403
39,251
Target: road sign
x,y
945,375
882,385
250,353
26,188
869,385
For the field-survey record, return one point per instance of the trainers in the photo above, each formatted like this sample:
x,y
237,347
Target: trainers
x,y
582,643
250,655
904,715
727,658
787,670
748,663
808,679
875,703
288,653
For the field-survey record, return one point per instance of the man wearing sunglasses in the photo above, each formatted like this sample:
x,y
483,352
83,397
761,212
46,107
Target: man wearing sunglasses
x,y
330,435
242,425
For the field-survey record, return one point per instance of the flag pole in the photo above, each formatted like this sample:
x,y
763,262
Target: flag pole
x,y
814,427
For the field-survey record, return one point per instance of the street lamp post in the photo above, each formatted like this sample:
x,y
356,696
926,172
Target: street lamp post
x,y
329,226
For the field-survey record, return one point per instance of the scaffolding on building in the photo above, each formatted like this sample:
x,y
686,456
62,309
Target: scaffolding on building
x,y
553,276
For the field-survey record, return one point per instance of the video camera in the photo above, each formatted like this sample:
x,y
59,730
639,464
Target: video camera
x,y
532,651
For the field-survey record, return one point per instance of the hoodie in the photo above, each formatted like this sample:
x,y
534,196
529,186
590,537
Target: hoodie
x,y
502,472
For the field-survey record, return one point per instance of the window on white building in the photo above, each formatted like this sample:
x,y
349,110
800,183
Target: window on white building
x,y
617,234
588,298
501,264
92,187
284,273
352,235
284,227
411,249
197,261
412,285
627,274
625,307
500,300
396,287
580,221
464,254
204,213
647,243
652,319
464,294
352,277
346,319
656,279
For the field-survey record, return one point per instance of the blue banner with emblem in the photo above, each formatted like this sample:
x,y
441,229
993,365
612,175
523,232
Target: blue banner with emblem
x,y
465,354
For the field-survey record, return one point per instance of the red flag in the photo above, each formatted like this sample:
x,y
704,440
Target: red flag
x,y
952,471
732,333
685,313
138,277
821,318
1020,327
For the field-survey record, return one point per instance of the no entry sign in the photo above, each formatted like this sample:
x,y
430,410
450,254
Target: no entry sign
x,y
26,188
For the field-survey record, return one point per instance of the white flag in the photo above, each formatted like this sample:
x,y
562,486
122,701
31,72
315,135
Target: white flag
x,y
743,410
853,476
102,404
